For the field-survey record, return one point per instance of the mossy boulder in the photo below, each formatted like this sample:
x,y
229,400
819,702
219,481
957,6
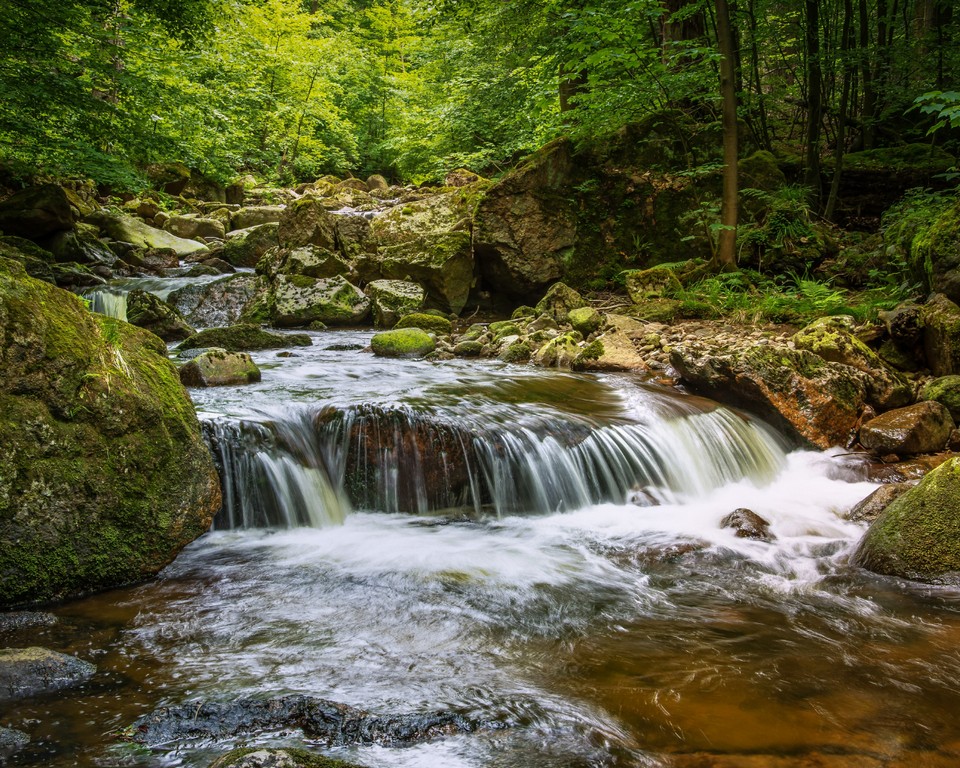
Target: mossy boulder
x,y
833,339
946,391
941,335
587,320
654,283
36,212
921,428
104,475
127,229
245,337
220,302
918,535
433,214
314,261
426,322
558,301
760,171
193,227
28,671
517,351
80,245
291,301
148,311
307,222
391,299
219,368
36,261
468,348
559,352
402,342
245,247
934,255
611,351
442,263
256,216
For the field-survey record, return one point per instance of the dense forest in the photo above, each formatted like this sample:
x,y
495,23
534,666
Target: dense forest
x,y
289,90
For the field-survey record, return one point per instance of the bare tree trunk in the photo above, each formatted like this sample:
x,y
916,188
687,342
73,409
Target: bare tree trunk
x,y
814,99
727,248
846,47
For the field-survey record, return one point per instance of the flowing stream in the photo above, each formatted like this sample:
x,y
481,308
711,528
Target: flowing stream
x,y
538,550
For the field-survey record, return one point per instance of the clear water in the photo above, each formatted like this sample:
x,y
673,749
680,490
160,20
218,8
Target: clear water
x,y
603,634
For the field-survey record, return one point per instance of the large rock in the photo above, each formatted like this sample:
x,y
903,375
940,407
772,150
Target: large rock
x,y
104,475
611,351
832,338
256,215
391,299
558,301
795,390
921,428
245,338
918,535
127,229
221,302
291,301
935,254
28,671
441,263
219,368
432,214
941,335
245,247
36,212
307,222
194,227
155,315
402,342
313,261
80,245
946,391
526,224
870,508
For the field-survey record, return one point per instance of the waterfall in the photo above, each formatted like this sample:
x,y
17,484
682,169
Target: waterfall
x,y
310,466
108,302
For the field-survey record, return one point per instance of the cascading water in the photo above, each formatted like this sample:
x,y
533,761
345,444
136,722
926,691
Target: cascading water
x,y
109,302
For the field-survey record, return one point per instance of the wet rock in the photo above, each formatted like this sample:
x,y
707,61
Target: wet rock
x,y
245,247
911,469
155,315
391,299
219,368
921,428
320,719
73,276
748,525
870,508
468,348
90,402
402,342
941,335
127,229
426,322
256,215
904,324
558,302
244,338
559,352
917,536
795,390
442,263
832,338
194,227
611,351
946,391
28,671
218,266
288,757
215,304
17,620
12,741
80,245
297,300
36,212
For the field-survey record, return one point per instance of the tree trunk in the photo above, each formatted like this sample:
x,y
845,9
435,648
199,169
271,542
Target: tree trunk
x,y
846,47
814,99
727,247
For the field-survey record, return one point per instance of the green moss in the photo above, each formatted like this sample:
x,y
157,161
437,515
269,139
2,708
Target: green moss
x,y
518,352
402,342
245,337
426,322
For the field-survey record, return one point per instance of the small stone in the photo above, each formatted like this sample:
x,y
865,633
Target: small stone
x,y
748,525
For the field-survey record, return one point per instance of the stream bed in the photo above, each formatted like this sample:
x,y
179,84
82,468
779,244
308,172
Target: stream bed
x,y
537,550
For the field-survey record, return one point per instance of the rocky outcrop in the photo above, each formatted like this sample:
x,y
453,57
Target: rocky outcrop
x,y
442,263
28,671
921,428
219,368
934,254
155,315
244,338
291,301
256,215
104,475
918,535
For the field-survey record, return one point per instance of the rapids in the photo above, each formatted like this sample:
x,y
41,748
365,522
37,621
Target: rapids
x,y
538,549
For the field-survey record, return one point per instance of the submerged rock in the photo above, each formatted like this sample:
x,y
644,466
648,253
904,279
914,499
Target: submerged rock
x,y
287,757
104,475
320,719
155,315
921,428
244,338
219,368
11,741
917,536
27,671
748,525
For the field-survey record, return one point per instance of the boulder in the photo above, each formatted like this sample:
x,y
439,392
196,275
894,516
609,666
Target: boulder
x,y
307,222
587,320
832,338
430,215
941,335
354,237
558,302
921,428
215,304
611,351
747,524
869,509
11,741
194,227
155,315
313,261
525,226
171,178
559,352
256,215
798,392
104,475
441,263
654,283
935,254
377,183
426,322
127,229
391,299
219,368
297,300
37,261
245,247
244,338
36,212
402,342
917,536
81,246
28,671
946,391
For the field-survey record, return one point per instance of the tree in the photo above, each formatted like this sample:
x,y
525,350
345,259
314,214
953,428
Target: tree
x,y
727,250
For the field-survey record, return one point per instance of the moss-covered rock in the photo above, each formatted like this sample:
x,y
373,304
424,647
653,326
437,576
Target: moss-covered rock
x,y
193,227
468,348
558,301
391,299
28,671
256,216
918,535
81,246
442,263
654,283
298,300
36,261
155,315
934,254
559,352
36,212
307,222
219,368
245,337
587,320
104,475
431,323
314,261
921,428
126,229
245,247
946,391
503,328
941,335
518,351
402,342
611,351
218,303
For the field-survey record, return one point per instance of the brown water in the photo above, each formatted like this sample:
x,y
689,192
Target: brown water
x,y
604,634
